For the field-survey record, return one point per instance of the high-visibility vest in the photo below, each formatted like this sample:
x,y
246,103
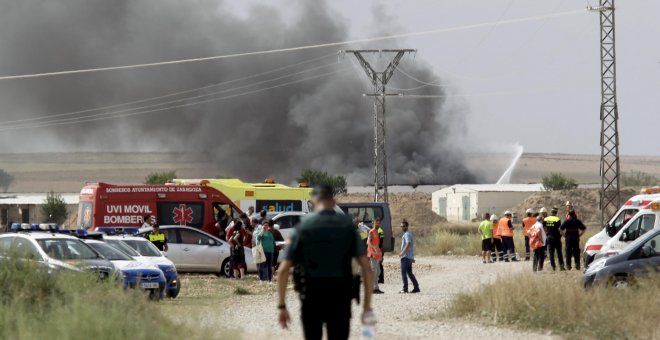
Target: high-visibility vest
x,y
496,231
160,237
503,227
373,250
528,222
535,238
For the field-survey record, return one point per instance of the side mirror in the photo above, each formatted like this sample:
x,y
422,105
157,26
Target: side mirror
x,y
610,230
277,226
212,242
624,236
646,251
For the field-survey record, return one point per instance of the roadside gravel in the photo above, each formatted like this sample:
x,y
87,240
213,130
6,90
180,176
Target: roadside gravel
x,y
400,316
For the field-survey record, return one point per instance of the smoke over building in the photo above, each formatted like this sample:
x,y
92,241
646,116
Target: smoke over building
x,y
269,125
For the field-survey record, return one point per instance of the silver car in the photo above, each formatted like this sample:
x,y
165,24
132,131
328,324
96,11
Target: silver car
x,y
195,251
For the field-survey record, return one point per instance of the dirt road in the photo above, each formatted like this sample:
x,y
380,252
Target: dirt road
x,y
400,316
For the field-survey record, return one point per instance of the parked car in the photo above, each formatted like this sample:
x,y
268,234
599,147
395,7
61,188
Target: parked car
x,y
286,221
56,251
640,258
135,274
195,251
142,250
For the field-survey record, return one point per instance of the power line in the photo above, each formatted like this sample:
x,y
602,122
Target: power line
x,y
172,94
298,48
85,119
182,99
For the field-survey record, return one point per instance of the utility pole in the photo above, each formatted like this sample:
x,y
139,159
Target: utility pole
x,y
609,114
379,80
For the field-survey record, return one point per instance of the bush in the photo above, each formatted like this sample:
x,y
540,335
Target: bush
x,y
559,303
54,208
5,180
317,177
556,181
160,177
35,304
638,179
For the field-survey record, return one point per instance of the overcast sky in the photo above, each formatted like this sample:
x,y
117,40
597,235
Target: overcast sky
x,y
536,83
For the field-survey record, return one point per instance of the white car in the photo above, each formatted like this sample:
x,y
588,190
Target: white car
x,y
55,251
142,250
195,251
135,274
286,221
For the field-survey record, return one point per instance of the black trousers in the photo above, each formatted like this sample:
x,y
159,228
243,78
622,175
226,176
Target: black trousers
x,y
539,258
332,309
496,250
572,250
527,248
381,276
554,245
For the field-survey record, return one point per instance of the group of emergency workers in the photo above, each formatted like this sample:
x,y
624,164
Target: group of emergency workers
x,y
543,234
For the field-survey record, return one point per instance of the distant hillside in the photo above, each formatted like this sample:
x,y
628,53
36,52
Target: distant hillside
x,y
67,172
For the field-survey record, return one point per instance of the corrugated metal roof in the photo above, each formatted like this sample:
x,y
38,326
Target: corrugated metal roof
x,y
34,198
495,187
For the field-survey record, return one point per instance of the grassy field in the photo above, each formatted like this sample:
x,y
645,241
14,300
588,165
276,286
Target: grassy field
x,y
37,305
464,239
557,303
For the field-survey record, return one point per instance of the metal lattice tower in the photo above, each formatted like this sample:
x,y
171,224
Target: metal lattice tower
x,y
609,113
379,80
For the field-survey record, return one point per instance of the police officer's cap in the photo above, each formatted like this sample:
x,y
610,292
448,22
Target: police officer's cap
x,y
323,192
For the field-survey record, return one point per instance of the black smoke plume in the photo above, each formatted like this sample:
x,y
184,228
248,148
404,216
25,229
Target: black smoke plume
x,y
322,123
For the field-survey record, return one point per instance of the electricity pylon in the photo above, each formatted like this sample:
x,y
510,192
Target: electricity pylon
x,y
379,80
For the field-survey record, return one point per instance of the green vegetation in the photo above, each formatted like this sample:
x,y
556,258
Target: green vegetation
x,y
558,303
241,291
557,181
638,179
68,305
315,177
160,177
5,180
54,208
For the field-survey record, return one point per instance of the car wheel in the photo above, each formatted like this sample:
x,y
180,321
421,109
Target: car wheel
x,y
173,294
225,268
154,295
620,281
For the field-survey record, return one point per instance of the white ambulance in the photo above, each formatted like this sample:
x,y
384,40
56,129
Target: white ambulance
x,y
614,226
644,221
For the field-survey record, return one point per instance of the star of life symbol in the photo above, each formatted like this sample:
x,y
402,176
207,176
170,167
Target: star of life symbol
x,y
183,214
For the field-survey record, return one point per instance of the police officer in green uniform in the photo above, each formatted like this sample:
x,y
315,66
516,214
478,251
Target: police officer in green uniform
x,y
157,238
321,251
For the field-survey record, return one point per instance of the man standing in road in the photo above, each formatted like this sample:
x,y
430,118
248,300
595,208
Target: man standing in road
x,y
552,224
322,248
381,238
407,256
486,231
572,229
374,253
497,251
157,238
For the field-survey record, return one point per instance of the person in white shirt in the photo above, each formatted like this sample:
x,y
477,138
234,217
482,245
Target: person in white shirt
x,y
148,223
537,242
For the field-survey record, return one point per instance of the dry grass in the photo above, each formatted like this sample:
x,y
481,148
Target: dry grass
x,y
558,303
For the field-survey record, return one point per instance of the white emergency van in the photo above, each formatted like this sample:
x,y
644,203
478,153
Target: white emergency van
x,y
644,221
625,213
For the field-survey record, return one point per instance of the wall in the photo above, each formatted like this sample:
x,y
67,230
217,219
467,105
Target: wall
x,y
480,202
34,213
498,202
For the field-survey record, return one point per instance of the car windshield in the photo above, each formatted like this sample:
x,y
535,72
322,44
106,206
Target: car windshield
x,y
123,247
109,252
145,248
67,249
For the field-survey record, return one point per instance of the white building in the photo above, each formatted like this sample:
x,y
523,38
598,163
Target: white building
x,y
465,202
25,207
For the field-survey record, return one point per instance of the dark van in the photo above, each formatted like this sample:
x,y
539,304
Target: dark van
x,y
366,212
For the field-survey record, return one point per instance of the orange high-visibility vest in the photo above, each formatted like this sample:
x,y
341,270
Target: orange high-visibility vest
x,y
503,227
528,222
496,230
373,251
